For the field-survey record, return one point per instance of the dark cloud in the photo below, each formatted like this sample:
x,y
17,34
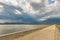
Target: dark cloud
x,y
58,0
9,14
50,1
37,6
9,9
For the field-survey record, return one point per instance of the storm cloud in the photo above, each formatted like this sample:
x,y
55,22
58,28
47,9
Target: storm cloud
x,y
28,11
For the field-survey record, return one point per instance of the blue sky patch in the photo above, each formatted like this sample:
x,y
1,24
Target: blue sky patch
x,y
51,1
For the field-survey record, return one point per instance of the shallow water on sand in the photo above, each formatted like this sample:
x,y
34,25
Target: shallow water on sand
x,y
6,29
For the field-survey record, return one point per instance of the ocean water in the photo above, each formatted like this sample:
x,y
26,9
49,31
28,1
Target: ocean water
x,y
7,29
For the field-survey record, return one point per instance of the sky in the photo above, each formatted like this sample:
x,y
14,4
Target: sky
x,y
30,11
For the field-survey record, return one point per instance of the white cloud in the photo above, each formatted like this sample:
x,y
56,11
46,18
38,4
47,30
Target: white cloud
x,y
17,12
28,8
37,1
44,18
1,8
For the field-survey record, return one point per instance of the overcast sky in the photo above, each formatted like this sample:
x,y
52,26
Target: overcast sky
x,y
29,11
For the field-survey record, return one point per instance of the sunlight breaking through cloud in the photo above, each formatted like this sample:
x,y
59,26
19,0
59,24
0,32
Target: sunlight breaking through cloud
x,y
1,8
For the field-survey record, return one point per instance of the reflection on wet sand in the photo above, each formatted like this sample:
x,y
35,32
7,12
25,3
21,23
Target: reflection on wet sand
x,y
6,29
36,33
